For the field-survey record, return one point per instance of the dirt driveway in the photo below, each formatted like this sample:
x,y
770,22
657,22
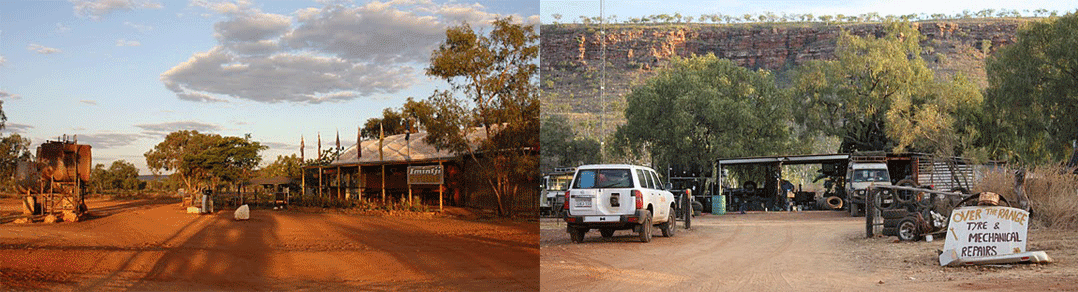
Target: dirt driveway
x,y
159,247
779,251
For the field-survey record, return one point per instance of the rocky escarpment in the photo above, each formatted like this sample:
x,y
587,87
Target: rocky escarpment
x,y
571,54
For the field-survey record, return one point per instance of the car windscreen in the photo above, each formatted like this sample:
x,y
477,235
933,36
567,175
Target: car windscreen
x,y
603,178
870,175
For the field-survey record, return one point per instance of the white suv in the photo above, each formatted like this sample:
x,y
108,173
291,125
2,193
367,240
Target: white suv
x,y
612,197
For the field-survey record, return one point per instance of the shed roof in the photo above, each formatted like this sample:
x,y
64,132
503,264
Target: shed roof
x,y
396,149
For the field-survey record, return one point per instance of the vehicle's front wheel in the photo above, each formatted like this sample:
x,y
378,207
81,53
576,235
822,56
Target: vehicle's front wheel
x,y
577,234
645,227
670,226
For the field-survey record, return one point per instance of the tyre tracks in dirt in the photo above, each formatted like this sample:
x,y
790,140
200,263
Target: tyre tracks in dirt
x,y
760,251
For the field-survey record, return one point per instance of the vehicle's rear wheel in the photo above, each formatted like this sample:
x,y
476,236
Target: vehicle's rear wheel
x,y
645,227
670,226
907,229
607,232
577,234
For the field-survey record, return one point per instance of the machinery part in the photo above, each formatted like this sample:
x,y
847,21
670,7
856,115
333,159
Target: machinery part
x,y
908,229
645,228
606,232
834,202
29,206
905,196
978,196
670,226
855,210
577,234
749,185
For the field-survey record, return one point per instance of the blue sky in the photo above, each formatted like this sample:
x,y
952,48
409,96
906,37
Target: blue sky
x,y
572,9
122,74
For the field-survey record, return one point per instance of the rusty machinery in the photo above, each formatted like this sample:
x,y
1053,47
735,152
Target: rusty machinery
x,y
56,181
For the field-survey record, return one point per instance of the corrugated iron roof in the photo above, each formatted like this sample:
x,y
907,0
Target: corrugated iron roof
x,y
396,149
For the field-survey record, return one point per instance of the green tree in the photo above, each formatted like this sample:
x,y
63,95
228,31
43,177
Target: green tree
x,y
290,166
561,147
394,121
120,175
878,95
205,159
498,76
1030,103
13,148
702,108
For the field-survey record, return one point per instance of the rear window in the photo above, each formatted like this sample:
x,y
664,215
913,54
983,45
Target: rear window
x,y
603,178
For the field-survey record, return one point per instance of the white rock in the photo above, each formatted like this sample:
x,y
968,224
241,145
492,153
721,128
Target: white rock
x,y
194,210
243,213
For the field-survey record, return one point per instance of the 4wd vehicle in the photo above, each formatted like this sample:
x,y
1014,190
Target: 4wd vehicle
x,y
613,197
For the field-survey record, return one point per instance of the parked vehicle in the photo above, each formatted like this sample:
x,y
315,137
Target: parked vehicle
x,y
554,186
612,197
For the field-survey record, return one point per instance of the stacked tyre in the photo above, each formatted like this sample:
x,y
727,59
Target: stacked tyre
x,y
901,223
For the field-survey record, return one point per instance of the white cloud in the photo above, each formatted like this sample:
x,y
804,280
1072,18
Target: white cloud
x,y
127,43
42,49
139,27
109,140
89,102
223,7
61,28
96,9
16,128
334,53
9,96
162,129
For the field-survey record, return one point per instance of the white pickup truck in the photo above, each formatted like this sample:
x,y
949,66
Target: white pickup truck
x,y
613,197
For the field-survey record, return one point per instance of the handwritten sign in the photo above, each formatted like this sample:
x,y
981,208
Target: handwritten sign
x,y
985,231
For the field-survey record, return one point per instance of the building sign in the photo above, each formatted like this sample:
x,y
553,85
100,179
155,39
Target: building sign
x,y
425,175
984,231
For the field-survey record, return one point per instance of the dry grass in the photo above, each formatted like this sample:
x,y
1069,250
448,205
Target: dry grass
x,y
1052,192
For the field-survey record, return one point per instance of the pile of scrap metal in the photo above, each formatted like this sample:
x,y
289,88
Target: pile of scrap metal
x,y
55,182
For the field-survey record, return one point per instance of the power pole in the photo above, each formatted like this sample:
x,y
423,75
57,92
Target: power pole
x,y
602,83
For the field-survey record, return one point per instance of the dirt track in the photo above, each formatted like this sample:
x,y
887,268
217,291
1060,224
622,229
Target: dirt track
x,y
159,247
778,251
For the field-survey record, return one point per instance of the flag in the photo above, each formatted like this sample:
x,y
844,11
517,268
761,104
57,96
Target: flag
x,y
359,143
338,140
381,137
301,148
319,146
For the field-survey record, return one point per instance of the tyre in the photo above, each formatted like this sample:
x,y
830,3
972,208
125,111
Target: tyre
x,y
607,232
894,214
904,196
890,231
697,208
645,227
891,223
577,234
907,229
670,226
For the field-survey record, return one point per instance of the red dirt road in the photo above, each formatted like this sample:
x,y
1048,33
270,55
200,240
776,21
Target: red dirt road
x,y
781,251
159,247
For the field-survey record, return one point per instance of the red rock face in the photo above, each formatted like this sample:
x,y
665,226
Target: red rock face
x,y
753,46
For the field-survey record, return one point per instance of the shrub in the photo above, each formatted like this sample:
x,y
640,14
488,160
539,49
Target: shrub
x,y
1052,192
